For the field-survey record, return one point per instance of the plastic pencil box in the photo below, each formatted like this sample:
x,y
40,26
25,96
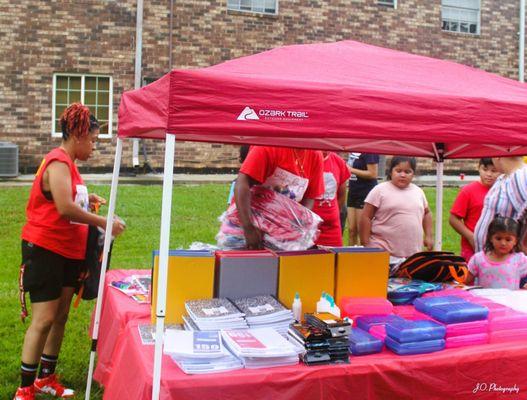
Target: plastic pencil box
x,y
415,331
362,343
465,294
510,335
458,312
379,331
508,321
403,349
423,304
467,328
365,322
356,306
466,340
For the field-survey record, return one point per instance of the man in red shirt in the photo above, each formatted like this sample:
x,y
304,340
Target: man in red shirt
x,y
336,175
296,173
468,205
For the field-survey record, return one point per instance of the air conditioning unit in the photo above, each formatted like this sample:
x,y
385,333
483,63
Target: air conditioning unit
x,y
8,160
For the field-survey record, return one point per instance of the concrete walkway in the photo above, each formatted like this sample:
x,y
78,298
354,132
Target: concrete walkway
x,y
196,179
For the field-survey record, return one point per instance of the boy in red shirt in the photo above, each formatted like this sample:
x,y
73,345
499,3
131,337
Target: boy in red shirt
x,y
467,207
296,173
336,175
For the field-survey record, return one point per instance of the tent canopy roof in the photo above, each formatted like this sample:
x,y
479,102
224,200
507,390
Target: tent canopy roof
x,y
339,96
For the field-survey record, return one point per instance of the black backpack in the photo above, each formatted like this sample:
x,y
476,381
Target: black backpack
x,y
434,266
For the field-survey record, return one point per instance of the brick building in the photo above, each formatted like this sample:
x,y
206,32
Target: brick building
x,y
56,52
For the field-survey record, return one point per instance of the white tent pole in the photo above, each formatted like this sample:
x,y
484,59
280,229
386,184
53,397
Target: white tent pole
x,y
106,250
439,206
521,46
164,241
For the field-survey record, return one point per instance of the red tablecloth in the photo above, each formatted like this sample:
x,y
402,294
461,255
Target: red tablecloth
x,y
117,311
448,374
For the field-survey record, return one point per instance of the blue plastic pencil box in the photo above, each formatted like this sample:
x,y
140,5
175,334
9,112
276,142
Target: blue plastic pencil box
x,y
362,343
423,304
415,331
458,312
365,322
403,349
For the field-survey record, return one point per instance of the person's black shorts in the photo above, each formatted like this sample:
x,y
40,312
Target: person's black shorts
x,y
356,202
46,272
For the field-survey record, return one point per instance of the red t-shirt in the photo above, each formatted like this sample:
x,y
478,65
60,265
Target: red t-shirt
x,y
45,227
296,173
468,206
336,173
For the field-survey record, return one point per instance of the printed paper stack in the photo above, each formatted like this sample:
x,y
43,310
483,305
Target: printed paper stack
x,y
265,312
261,347
214,314
199,352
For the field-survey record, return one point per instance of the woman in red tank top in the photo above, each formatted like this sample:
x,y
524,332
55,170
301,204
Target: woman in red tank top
x,y
53,249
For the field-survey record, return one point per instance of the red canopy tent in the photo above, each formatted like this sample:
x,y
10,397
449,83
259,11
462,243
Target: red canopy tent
x,y
337,96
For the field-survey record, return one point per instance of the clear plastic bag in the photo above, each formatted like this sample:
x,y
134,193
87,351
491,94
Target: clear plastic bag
x,y
285,224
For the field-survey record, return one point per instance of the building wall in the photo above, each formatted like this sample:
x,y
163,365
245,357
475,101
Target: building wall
x,y
99,37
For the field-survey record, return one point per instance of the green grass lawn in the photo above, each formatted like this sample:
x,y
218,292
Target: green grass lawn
x,y
194,218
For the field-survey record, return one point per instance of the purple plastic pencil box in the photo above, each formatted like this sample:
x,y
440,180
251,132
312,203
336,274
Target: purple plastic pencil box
x,y
415,331
423,304
458,312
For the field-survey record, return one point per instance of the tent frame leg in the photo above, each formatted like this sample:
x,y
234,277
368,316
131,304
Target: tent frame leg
x,y
166,211
438,243
106,250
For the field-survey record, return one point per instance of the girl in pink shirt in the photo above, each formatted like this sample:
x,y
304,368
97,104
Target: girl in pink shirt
x,y
396,213
501,264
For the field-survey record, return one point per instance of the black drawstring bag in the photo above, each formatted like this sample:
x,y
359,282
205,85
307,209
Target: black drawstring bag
x,y
89,280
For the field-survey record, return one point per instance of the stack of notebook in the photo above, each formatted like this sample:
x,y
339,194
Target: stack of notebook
x,y
265,312
199,352
213,314
261,347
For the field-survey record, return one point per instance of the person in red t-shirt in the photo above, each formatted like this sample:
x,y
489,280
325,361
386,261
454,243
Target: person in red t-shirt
x,y
296,173
54,247
468,205
336,175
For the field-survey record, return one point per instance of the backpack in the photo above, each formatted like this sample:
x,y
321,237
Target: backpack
x,y
89,278
434,266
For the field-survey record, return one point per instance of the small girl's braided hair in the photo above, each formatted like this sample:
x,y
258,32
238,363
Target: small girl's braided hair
x,y
77,121
503,224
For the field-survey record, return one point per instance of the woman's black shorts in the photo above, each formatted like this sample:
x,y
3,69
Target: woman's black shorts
x,y
46,272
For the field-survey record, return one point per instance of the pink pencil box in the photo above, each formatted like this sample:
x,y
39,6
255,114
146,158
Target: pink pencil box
x,y
409,312
497,310
511,335
379,331
467,328
512,320
466,340
355,306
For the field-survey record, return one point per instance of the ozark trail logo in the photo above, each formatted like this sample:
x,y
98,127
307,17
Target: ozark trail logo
x,y
247,114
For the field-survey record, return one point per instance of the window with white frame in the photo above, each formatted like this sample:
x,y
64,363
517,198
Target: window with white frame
x,y
256,6
388,3
94,91
461,16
